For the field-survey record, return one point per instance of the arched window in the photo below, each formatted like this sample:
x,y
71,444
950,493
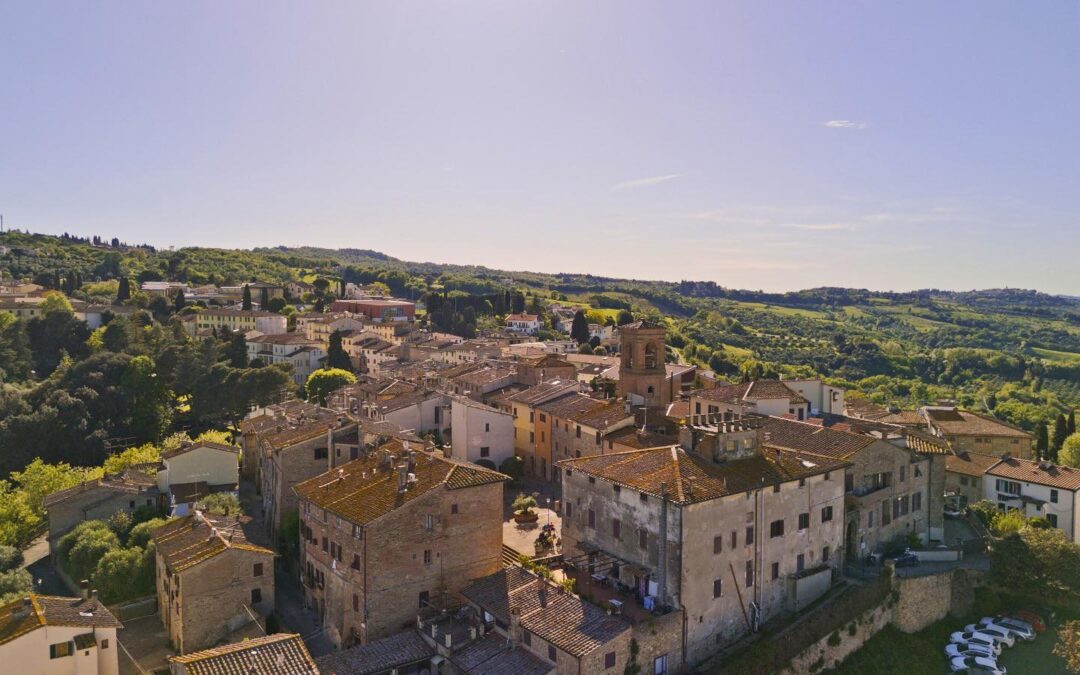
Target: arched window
x,y
650,355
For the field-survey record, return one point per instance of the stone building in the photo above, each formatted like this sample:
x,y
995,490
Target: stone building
x,y
760,397
390,532
730,531
642,375
964,475
100,498
532,370
210,580
967,431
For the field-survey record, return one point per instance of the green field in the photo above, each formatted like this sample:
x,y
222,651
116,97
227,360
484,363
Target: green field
x,y
1052,355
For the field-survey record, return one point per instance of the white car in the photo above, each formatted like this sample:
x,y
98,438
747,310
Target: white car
x,y
959,663
1015,627
972,638
999,634
968,649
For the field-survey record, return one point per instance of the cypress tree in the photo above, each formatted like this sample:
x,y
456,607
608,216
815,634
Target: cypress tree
x,y
1042,442
123,291
264,298
247,298
179,302
1061,432
335,353
1070,423
579,330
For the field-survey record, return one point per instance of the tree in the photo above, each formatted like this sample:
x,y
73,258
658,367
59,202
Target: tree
x,y
149,399
124,573
15,584
179,302
220,503
335,353
246,303
264,298
579,329
140,534
1070,422
517,303
319,306
82,548
123,291
1042,442
1068,645
236,352
625,316
1038,564
39,480
275,305
1061,432
1069,455
15,355
322,383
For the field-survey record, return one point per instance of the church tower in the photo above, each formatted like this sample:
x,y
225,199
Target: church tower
x,y
642,376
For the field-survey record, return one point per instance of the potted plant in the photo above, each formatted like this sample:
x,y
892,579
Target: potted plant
x,y
523,509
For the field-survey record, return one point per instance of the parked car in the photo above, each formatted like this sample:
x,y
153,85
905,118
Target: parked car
x,y
1032,619
999,634
906,559
1015,627
968,649
973,638
958,663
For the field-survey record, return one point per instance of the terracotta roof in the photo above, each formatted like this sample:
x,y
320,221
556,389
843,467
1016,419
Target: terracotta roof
x,y
970,463
691,479
405,400
381,656
491,656
632,437
563,619
522,317
189,447
545,391
678,410
283,339
570,405
750,391
925,443
281,654
602,417
17,618
813,439
364,489
1055,476
188,541
956,422
640,324
129,482
547,361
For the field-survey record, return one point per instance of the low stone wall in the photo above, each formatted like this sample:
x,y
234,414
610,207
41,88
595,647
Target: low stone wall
x,y
911,605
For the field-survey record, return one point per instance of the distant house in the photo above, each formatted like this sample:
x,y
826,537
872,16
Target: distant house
x,y
978,433
377,309
964,475
164,289
211,581
527,324
297,289
296,349
238,320
763,397
280,654
58,636
1037,489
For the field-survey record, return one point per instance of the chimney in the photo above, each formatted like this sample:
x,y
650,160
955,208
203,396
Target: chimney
x,y
515,626
84,589
402,477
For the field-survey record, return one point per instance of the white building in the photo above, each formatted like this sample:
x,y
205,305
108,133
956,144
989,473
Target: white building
x,y
478,431
1037,489
58,636
823,398
193,471
420,412
303,354
528,324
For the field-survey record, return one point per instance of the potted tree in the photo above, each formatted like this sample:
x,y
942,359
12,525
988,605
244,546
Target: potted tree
x,y
523,509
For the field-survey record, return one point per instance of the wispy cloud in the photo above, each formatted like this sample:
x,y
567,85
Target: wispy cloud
x,y
819,227
646,182
845,124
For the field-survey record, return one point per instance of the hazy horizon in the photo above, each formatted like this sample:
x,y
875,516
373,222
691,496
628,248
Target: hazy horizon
x,y
774,146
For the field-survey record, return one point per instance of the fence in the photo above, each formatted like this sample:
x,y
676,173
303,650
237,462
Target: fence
x,y
135,609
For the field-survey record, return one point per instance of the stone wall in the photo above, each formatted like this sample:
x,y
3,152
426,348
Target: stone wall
x,y
837,646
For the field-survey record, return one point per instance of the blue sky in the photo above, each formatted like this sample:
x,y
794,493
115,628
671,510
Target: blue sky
x,y
771,145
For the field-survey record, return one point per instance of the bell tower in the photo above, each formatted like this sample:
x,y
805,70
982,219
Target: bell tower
x,y
642,376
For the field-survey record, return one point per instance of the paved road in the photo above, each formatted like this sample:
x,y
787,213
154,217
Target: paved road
x,y
36,561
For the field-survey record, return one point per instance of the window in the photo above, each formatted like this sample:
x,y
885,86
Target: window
x,y
963,480
896,508
592,480
717,544
429,522
775,571
325,544
321,453
1052,519
258,570
487,427
453,509
828,475
61,649
1054,496
616,488
553,654
532,437
644,497
903,473
256,596
131,504
485,451
643,538
826,514
660,665
916,501
427,556
526,637
776,488
825,554
749,535
749,573
776,528
870,519
717,588
577,431
849,482
355,602
804,521
616,529
569,510
609,660
104,644
734,540
1008,487
425,598
800,563
592,518
802,482
356,561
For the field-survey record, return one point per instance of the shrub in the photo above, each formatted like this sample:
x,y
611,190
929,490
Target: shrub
x,y
140,534
524,504
120,523
513,467
852,629
125,573
834,639
89,547
220,503
10,558
984,510
15,584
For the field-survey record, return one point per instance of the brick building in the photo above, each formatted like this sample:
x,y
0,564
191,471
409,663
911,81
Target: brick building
x,y
210,580
390,532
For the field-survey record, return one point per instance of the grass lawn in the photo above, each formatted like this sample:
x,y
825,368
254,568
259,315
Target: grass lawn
x,y
1053,355
1034,658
